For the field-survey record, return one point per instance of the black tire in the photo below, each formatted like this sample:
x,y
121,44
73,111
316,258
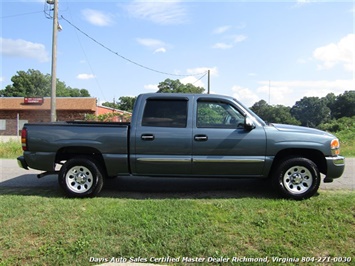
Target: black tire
x,y
81,177
296,178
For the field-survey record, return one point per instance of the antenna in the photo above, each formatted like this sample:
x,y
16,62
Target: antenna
x,y
269,92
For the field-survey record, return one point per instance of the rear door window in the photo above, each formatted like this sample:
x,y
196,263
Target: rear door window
x,y
165,113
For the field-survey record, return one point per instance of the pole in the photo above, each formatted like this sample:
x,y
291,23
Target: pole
x,y
54,63
208,86
17,124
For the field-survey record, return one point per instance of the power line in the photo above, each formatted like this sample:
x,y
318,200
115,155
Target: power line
x,y
86,57
127,59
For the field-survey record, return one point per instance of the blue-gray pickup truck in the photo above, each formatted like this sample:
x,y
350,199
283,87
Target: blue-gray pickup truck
x,y
183,135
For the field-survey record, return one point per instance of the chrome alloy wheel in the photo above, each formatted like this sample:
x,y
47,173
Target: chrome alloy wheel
x,y
79,179
297,179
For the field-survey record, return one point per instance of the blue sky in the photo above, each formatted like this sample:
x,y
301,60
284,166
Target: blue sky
x,y
279,51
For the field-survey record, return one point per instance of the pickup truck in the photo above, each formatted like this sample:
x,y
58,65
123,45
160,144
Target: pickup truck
x,y
183,135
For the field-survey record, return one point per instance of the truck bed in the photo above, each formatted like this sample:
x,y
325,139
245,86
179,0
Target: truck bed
x,y
47,142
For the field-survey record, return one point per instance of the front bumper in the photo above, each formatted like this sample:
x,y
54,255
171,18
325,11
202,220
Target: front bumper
x,y
335,167
22,162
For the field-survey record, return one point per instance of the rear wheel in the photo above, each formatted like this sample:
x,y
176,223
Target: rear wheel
x,y
81,177
296,178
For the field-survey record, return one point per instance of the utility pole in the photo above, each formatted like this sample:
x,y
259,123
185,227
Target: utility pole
x,y
208,83
54,61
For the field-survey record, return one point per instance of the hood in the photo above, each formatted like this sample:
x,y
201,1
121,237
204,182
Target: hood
x,y
299,129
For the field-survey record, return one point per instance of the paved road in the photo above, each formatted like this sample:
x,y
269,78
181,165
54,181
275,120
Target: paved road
x,y
11,176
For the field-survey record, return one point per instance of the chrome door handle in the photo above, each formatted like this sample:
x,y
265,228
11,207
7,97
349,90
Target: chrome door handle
x,y
147,137
200,138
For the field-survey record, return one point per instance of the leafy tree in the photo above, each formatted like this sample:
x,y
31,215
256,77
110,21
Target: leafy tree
x,y
274,114
125,103
330,100
344,105
172,86
341,124
262,109
311,111
33,83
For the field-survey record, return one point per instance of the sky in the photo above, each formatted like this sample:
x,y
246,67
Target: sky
x,y
277,51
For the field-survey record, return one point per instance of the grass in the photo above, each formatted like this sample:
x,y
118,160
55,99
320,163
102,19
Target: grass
x,y
347,142
47,229
10,149
40,227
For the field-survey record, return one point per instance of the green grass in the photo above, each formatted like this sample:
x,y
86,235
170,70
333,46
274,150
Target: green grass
x,y
43,228
10,149
347,142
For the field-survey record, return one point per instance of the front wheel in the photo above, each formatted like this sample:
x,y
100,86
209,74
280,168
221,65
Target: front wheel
x,y
296,178
80,177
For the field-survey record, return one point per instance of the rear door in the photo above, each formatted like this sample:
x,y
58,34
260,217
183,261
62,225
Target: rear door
x,y
163,140
221,145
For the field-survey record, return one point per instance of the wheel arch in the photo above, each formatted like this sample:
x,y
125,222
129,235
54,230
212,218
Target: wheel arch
x,y
70,152
314,155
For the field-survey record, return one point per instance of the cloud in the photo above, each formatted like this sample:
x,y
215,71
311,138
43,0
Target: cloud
x,y
288,92
159,12
160,50
97,18
239,38
221,29
333,54
301,3
151,87
197,74
85,76
151,43
201,70
192,80
233,40
222,45
245,95
2,79
22,48
157,45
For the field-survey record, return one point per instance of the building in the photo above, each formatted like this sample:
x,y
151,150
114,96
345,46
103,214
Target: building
x,y
113,114
16,111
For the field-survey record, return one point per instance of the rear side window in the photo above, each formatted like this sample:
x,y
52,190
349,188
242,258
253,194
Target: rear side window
x,y
165,113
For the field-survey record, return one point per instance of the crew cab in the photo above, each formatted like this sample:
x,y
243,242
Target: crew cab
x,y
183,135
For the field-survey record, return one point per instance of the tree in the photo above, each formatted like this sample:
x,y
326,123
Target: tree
x,y
125,103
274,114
344,105
33,83
330,100
311,111
172,86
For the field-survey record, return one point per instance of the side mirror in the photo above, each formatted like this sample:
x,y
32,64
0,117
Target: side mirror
x,y
248,124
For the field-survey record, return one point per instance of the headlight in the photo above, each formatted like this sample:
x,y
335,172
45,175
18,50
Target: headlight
x,y
335,147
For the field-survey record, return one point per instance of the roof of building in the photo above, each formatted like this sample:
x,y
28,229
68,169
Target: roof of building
x,y
105,109
62,103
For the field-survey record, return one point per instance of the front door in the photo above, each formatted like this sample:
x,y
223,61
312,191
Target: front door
x,y
221,144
